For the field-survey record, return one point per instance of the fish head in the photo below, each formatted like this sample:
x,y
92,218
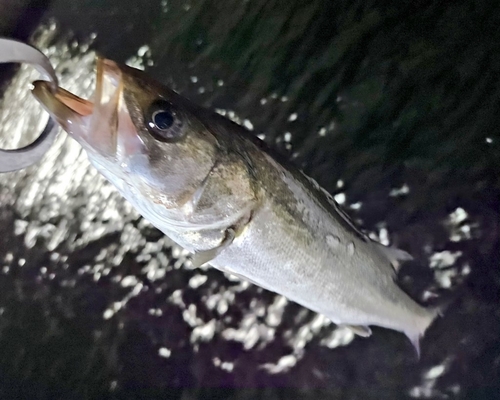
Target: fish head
x,y
137,133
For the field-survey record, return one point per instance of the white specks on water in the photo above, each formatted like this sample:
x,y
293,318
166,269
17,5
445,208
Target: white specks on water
x,y
118,305
224,365
235,118
340,184
356,206
141,59
489,140
164,352
427,388
220,82
341,336
129,281
20,226
435,372
180,253
197,280
261,136
227,366
457,227
250,332
194,79
284,364
293,117
201,90
189,315
397,192
458,216
322,132
466,269
108,313
383,236
444,259
247,124
157,312
263,101
340,198
176,298
164,6
222,306
220,301
299,339
203,332
446,272
275,311
143,50
136,62
445,278
287,137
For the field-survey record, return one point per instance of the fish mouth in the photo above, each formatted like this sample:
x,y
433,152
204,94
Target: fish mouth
x,y
94,124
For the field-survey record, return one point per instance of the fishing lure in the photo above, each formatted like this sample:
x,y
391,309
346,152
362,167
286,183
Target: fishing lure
x,y
13,51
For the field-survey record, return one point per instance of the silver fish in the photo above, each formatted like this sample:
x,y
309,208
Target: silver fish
x,y
214,189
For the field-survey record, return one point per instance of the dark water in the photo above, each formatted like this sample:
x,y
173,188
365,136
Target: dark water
x,y
379,95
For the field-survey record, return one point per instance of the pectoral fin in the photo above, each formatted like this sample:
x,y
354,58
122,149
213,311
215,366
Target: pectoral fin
x,y
360,330
205,256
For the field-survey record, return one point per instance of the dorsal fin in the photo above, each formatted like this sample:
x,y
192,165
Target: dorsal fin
x,y
327,201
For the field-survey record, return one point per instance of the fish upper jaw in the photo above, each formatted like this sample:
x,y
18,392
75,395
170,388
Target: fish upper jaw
x,y
71,112
103,127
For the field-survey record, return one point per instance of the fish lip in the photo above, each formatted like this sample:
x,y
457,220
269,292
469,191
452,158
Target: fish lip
x,y
83,119
65,107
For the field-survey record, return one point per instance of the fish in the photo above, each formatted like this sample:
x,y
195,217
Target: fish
x,y
222,194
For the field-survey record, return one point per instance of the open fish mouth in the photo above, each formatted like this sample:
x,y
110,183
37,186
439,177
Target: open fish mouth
x,y
94,124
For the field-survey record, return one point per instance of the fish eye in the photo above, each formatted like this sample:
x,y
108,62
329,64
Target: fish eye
x,y
163,122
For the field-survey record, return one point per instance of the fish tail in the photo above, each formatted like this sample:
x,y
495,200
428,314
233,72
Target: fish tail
x,y
417,333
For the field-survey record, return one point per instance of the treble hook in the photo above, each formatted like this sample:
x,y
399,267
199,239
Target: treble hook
x,y
13,51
